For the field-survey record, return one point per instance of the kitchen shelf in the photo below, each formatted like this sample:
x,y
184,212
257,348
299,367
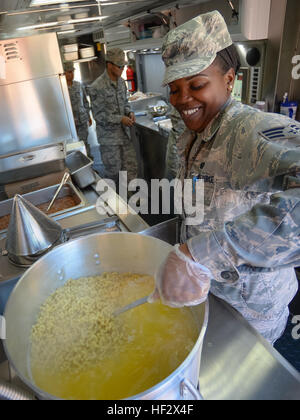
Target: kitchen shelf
x,y
83,60
148,43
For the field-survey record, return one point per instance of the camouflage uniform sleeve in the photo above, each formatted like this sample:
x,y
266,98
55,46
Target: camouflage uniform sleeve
x,y
81,114
85,108
172,155
100,109
267,236
127,108
85,100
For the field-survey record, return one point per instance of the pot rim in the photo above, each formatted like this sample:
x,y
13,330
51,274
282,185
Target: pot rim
x,y
45,395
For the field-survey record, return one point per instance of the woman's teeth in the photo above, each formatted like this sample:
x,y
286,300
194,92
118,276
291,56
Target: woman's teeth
x,y
190,112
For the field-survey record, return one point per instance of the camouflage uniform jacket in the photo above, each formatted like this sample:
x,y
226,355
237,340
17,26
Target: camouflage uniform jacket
x,y
80,106
172,157
109,106
250,237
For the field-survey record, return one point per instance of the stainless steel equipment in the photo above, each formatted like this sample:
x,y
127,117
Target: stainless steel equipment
x,y
158,111
32,163
142,104
30,234
34,99
64,180
80,167
45,196
249,81
81,220
10,273
150,73
88,256
151,145
152,149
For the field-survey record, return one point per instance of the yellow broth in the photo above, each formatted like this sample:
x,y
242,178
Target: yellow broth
x,y
81,351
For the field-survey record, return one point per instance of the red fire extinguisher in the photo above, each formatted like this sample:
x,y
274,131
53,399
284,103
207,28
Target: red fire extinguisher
x,y
130,79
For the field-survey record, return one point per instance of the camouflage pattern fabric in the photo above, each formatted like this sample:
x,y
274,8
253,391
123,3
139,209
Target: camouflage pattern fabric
x,y
116,56
69,66
193,46
250,238
81,114
172,157
109,105
119,158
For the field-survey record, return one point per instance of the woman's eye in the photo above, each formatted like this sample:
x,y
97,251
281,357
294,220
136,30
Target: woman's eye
x,y
173,92
198,87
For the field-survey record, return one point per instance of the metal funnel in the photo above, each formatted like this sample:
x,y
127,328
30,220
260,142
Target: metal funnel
x,y
31,233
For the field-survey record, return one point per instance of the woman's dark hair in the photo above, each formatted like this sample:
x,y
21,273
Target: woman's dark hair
x,y
228,59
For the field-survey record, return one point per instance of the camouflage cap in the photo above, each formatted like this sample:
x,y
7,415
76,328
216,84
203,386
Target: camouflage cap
x,y
116,56
69,66
193,46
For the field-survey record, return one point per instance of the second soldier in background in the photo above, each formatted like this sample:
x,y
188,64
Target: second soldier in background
x,y
113,116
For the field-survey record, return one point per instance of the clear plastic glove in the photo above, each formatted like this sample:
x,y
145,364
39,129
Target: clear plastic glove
x,y
180,281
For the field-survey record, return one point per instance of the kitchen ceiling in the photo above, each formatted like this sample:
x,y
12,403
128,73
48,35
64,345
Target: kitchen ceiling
x,y
23,18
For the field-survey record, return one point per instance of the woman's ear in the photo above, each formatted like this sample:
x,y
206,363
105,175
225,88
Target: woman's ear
x,y
229,80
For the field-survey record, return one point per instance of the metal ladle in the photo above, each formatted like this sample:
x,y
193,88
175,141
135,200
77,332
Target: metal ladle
x,y
132,305
63,182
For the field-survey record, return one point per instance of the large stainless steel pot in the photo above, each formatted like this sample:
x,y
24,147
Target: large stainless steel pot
x,y
89,256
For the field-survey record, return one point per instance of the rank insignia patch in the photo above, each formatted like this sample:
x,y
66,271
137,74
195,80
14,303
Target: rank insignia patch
x,y
286,132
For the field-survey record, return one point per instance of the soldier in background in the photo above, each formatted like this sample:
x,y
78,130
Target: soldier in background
x,y
247,247
114,118
80,106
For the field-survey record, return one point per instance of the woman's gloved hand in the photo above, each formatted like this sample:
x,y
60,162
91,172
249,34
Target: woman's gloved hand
x,y
181,281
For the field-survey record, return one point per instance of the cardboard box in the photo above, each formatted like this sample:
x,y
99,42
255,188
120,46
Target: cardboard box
x,y
35,184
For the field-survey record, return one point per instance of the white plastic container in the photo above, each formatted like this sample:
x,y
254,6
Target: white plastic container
x,y
81,15
288,108
70,48
71,56
261,105
65,27
64,18
87,52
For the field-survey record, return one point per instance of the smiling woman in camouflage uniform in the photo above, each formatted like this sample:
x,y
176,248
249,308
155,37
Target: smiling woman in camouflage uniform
x,y
250,163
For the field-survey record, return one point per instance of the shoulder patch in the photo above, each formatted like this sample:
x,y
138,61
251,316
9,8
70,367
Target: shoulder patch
x,y
282,132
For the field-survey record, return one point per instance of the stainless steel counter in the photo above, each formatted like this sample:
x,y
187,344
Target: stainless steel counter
x,y
147,122
152,148
238,364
